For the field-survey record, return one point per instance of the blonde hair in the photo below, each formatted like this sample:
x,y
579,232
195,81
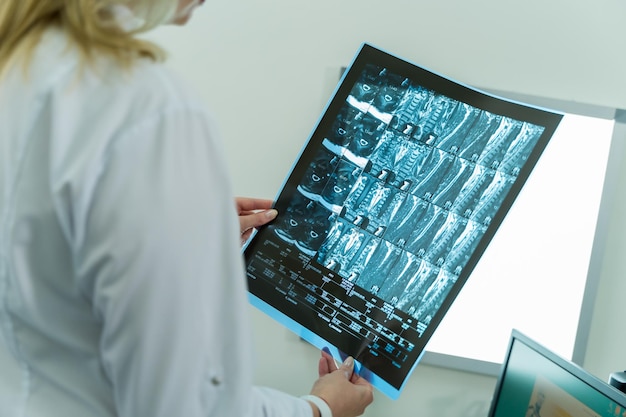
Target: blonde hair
x,y
93,25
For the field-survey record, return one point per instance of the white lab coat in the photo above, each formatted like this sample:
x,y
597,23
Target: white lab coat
x,y
122,289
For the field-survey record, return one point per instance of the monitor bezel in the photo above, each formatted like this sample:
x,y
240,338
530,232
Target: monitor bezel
x,y
568,366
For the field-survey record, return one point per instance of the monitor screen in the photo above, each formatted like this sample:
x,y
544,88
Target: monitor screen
x,y
535,382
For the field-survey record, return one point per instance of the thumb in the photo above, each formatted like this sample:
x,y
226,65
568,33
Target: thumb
x,y
347,367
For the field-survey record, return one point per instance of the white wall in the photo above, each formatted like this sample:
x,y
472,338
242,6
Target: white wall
x,y
267,69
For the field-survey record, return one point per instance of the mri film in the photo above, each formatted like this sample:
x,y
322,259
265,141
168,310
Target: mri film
x,y
394,198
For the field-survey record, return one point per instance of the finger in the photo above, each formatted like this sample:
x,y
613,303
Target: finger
x,y
246,235
332,365
359,380
245,204
326,364
322,367
251,221
347,367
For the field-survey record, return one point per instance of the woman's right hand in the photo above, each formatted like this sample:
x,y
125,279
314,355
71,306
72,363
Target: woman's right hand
x,y
346,393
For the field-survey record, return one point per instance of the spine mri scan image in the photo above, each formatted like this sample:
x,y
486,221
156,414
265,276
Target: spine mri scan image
x,y
403,188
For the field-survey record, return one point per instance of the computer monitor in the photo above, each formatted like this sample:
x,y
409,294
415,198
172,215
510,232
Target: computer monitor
x,y
535,382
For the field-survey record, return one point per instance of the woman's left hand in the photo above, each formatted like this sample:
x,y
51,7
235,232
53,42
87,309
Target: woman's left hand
x,y
253,213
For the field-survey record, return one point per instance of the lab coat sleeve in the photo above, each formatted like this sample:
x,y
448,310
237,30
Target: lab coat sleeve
x,y
157,254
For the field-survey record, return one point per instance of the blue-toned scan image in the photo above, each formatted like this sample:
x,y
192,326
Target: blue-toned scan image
x,y
395,197
404,187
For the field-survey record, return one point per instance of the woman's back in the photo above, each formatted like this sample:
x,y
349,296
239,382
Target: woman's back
x,y
101,168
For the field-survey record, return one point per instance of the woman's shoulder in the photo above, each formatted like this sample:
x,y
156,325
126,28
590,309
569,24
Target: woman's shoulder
x,y
153,83
142,86
101,99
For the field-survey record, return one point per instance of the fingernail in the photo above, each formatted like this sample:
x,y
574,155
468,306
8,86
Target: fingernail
x,y
349,362
271,214
326,349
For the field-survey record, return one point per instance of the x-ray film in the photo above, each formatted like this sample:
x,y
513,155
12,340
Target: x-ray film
x,y
390,205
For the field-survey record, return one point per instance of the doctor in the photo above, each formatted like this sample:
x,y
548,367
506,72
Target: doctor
x,y
122,287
